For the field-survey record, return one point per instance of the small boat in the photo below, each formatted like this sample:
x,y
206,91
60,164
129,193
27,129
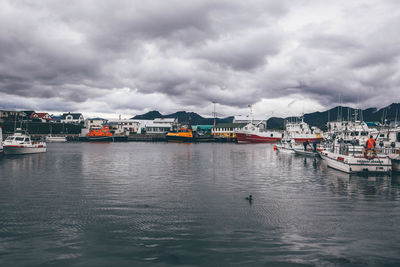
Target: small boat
x,y
307,153
21,143
286,146
56,139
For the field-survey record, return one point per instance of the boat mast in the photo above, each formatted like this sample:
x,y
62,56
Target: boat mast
x,y
251,113
214,114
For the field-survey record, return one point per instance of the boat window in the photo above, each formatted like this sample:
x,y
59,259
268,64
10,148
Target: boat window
x,y
27,140
10,138
364,133
19,139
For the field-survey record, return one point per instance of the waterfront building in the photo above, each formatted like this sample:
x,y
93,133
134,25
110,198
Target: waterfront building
x,y
95,122
161,125
72,118
126,125
10,115
227,129
41,117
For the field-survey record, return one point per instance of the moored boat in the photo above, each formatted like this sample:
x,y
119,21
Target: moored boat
x,y
56,139
21,143
102,134
355,159
301,132
253,134
184,135
307,153
285,145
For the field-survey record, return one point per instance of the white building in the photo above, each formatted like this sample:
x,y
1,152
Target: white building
x,y
161,125
72,118
227,129
131,126
95,122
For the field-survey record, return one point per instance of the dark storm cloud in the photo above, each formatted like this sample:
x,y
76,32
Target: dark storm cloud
x,y
165,54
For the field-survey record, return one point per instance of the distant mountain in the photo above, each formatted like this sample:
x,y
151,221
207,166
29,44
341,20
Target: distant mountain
x,y
318,119
183,117
151,115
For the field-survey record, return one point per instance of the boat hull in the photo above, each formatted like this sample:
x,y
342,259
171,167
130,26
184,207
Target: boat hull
x,y
244,138
18,150
54,139
357,164
309,139
103,139
306,153
285,149
180,139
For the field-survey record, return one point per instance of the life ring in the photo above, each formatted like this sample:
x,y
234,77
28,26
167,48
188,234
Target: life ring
x,y
369,153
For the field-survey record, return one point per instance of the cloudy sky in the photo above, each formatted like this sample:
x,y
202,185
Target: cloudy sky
x,y
128,57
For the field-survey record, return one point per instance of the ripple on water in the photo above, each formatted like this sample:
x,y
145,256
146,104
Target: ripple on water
x,y
168,204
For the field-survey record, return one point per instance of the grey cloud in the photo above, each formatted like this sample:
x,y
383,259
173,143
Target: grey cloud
x,y
193,52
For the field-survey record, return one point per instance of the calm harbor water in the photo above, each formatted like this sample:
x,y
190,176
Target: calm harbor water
x,y
159,204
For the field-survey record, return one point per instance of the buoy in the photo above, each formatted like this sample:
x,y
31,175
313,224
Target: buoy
x,y
275,148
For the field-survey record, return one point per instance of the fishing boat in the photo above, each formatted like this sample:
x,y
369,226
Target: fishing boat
x,y
353,158
301,132
21,143
183,135
254,134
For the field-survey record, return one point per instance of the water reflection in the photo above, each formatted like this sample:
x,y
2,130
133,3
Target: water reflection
x,y
160,204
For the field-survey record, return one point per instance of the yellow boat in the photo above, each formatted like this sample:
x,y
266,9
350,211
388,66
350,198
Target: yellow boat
x,y
183,135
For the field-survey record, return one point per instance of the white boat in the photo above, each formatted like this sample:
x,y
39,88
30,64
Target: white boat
x,y
1,141
301,132
255,134
355,159
21,143
56,139
286,146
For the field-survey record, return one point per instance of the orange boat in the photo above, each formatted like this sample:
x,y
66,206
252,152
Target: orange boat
x,y
97,132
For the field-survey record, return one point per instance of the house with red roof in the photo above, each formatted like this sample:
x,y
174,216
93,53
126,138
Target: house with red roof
x,y
43,117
